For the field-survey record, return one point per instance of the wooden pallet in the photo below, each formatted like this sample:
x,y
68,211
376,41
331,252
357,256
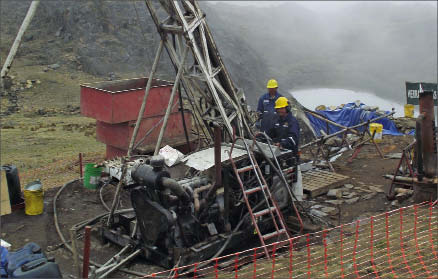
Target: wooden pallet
x,y
318,182
5,205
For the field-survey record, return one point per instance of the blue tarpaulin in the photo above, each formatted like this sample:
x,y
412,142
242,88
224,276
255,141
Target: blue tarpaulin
x,y
348,116
3,261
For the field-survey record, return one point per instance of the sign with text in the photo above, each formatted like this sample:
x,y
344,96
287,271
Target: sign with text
x,y
413,91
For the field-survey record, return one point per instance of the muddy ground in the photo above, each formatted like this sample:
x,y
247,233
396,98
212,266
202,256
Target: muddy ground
x,y
76,204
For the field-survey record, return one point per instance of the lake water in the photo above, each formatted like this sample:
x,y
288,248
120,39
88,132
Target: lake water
x,y
311,98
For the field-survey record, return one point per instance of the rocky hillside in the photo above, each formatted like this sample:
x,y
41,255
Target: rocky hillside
x,y
372,46
106,38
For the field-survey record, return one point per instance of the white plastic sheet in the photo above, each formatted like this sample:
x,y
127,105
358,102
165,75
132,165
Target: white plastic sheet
x,y
171,155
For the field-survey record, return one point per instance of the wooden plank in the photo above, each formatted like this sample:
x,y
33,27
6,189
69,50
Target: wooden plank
x,y
319,182
5,204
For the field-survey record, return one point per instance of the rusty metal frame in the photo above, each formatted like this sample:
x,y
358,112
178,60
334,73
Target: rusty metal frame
x,y
207,78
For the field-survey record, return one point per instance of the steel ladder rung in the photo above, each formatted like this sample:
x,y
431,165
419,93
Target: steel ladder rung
x,y
245,169
265,211
272,234
255,189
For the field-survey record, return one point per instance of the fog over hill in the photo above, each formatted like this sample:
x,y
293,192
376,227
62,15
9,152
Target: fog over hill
x,y
367,46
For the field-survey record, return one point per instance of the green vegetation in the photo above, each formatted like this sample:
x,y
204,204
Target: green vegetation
x,y
47,148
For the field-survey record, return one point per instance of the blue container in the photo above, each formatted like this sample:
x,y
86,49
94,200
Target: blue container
x,y
41,268
30,252
3,261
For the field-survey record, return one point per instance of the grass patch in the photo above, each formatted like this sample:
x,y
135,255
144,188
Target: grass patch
x,y
47,148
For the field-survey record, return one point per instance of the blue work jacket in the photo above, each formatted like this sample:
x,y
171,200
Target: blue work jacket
x,y
286,131
266,103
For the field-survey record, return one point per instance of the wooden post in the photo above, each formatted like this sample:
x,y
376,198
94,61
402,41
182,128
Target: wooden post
x,y
75,252
8,62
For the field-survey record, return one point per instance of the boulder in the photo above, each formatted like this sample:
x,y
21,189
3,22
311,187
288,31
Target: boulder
x,y
318,213
335,202
369,196
328,210
376,189
335,193
351,201
54,66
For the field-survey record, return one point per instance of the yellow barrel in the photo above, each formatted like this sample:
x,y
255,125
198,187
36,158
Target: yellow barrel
x,y
33,198
379,131
409,110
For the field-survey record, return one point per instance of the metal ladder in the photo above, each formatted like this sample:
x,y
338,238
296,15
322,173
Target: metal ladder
x,y
282,177
272,208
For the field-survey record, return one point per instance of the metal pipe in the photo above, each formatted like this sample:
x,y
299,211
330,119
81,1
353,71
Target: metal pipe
x,y
186,133
128,258
172,95
196,195
317,115
146,94
418,151
226,183
86,260
80,165
217,163
345,130
399,178
176,188
427,134
136,128
181,104
217,155
27,19
150,131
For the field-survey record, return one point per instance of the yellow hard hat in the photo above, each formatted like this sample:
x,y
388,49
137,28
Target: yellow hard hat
x,y
281,103
272,83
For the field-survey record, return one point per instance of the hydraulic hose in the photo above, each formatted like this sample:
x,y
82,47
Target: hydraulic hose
x,y
176,188
101,197
83,224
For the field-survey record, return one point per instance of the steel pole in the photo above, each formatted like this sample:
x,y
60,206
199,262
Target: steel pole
x,y
169,106
134,134
122,262
345,130
81,173
86,256
8,62
328,121
146,94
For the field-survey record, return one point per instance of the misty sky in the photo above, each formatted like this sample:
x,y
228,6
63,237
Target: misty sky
x,y
328,6
369,46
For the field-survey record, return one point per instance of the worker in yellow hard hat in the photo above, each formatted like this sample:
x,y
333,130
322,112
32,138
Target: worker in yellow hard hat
x,y
267,100
286,134
286,129
265,107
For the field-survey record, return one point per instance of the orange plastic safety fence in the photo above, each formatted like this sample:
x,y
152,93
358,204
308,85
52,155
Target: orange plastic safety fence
x,y
401,243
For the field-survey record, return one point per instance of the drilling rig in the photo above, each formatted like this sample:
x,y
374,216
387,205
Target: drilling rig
x,y
243,185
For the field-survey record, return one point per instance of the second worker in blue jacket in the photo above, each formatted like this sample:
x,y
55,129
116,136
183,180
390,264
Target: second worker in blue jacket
x,y
286,129
267,101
